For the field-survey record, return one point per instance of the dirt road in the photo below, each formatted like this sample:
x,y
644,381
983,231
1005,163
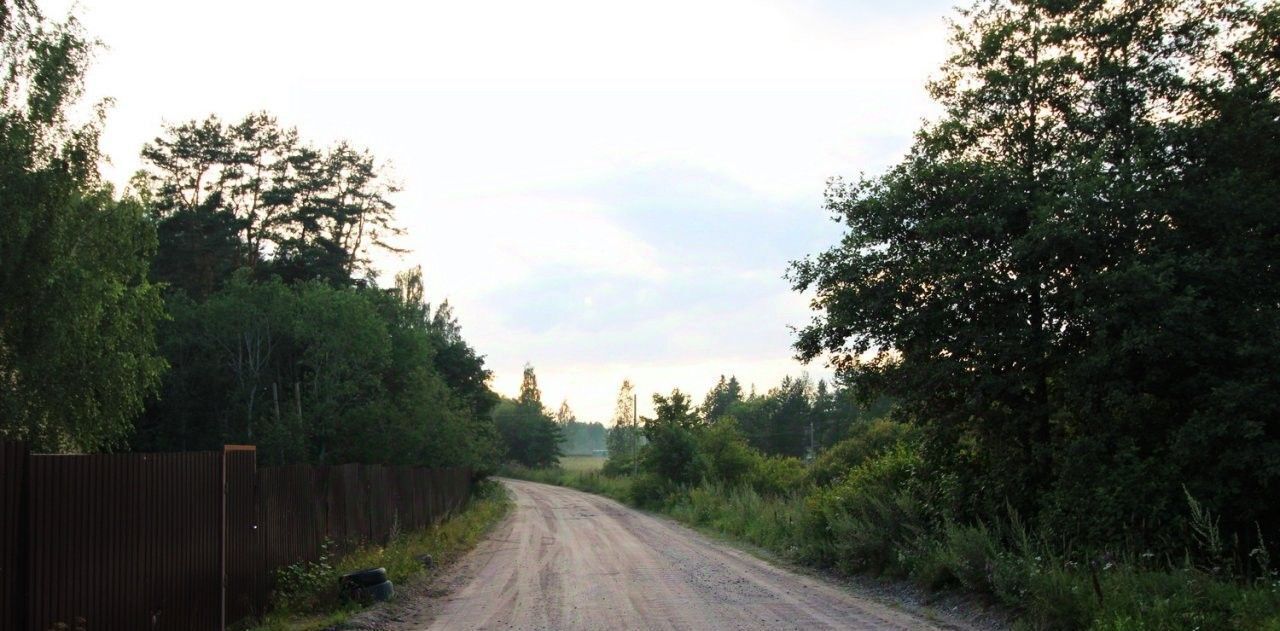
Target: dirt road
x,y
569,560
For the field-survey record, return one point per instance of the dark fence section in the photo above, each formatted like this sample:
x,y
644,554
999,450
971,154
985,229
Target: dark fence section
x,y
13,493
131,541
303,508
245,583
186,541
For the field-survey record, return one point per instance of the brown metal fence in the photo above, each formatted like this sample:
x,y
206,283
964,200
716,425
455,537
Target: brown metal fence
x,y
185,541
13,480
244,568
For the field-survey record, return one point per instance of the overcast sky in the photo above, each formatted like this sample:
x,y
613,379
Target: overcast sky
x,y
607,190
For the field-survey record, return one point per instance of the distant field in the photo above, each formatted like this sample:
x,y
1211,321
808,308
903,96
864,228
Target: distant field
x,y
582,463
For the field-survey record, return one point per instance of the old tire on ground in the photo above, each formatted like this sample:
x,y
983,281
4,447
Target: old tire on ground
x,y
379,592
365,578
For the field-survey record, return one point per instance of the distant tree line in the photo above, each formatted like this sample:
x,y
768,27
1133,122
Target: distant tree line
x,y
579,439
795,419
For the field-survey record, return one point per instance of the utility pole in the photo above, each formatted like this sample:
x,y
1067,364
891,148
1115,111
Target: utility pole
x,y
812,453
635,431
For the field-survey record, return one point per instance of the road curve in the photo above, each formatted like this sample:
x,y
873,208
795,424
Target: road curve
x,y
570,560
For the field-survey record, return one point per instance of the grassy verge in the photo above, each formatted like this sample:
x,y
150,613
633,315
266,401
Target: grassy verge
x,y
852,530
307,598
618,488
582,463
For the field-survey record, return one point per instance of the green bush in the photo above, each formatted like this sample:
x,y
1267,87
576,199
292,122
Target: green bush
x,y
618,465
307,584
1051,593
673,454
1182,599
650,490
865,440
862,523
729,459
778,475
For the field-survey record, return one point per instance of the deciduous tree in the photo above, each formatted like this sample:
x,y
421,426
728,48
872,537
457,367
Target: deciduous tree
x,y
77,313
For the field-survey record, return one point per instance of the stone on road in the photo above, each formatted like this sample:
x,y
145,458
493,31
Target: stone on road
x,y
570,560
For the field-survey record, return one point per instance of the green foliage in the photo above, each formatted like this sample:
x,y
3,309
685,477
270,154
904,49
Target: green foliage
x,y
651,490
720,399
672,453
617,465
279,336
779,421
865,440
778,475
317,373
1069,282
860,523
531,436
729,459
77,313
769,521
881,516
307,585
583,439
1053,593
254,195
793,417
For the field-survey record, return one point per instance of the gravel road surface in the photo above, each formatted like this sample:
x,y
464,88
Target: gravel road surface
x,y
564,559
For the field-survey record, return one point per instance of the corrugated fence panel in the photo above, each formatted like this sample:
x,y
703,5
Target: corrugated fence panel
x,y
375,490
246,586
130,541
346,527
13,548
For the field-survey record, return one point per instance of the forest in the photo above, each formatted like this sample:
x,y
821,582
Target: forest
x,y
1055,326
227,295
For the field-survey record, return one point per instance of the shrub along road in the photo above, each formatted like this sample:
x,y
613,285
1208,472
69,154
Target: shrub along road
x,y
564,559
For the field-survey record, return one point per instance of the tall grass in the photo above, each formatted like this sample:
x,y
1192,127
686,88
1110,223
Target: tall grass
x,y
618,488
582,463
771,522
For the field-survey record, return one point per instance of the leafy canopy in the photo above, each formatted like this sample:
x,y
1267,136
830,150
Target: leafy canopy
x,y
77,313
1071,279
